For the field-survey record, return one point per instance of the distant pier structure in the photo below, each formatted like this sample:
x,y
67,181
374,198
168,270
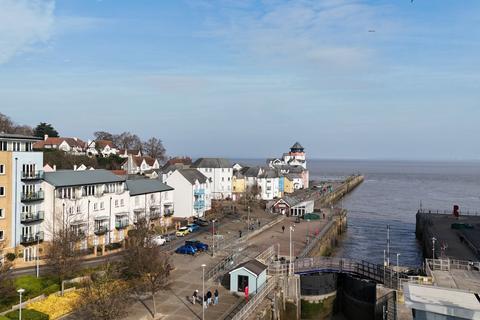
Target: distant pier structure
x,y
451,234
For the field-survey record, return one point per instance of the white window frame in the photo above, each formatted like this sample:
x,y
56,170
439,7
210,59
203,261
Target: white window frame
x,y
4,191
2,169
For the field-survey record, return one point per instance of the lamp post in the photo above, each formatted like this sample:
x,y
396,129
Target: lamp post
x,y
203,291
384,265
398,273
20,292
213,238
290,262
37,253
248,221
433,247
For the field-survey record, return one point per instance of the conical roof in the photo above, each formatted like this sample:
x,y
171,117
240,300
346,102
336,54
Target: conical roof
x,y
297,145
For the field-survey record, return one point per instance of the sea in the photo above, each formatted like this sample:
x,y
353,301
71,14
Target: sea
x,y
391,194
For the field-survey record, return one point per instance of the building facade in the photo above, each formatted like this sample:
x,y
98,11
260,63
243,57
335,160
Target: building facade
x,y
219,173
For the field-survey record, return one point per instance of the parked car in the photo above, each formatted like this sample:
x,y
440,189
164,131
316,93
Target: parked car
x,y
192,227
170,236
200,246
200,221
159,240
186,249
182,232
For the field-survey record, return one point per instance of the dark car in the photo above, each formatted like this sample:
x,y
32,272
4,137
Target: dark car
x,y
170,236
200,246
200,221
186,249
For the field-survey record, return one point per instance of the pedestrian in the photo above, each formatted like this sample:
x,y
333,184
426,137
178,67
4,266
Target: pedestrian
x,y
209,297
239,233
283,229
215,295
194,296
205,302
258,220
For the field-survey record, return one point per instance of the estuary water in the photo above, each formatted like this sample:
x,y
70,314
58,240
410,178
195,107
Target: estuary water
x,y
391,194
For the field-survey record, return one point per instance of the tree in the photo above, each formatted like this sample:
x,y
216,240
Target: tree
x,y
145,263
103,135
25,130
153,147
127,140
105,296
61,253
7,288
45,128
6,124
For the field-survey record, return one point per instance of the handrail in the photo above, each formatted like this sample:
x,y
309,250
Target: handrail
x,y
255,300
450,212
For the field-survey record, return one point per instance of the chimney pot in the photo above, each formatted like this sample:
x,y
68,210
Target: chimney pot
x,y
45,137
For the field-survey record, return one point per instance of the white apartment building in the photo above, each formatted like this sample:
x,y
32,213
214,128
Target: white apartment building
x,y
21,196
150,199
91,202
219,173
192,196
269,185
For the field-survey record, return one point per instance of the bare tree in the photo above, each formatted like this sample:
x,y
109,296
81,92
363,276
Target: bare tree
x,y
105,296
127,140
145,263
153,147
25,130
103,135
6,124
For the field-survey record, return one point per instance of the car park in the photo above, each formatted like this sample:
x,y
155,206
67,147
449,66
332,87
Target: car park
x,y
182,232
200,246
170,236
159,240
192,227
200,222
186,249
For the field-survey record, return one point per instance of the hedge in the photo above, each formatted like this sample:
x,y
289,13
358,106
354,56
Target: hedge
x,y
27,314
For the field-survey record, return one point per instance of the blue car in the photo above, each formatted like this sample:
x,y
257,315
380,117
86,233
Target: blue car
x,y
186,249
193,227
200,246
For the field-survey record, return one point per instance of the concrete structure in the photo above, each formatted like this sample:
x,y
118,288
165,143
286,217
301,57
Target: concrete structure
x,y
219,173
21,195
89,202
192,195
150,199
437,303
251,274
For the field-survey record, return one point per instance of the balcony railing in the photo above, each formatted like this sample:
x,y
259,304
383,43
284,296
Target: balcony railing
x,y
154,215
26,239
139,210
199,204
199,192
99,230
168,213
35,175
121,224
32,217
32,196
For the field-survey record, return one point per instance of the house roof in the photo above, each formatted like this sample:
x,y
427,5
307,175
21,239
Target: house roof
x,y
269,173
13,136
175,166
250,171
70,178
149,160
192,175
254,266
297,145
146,186
211,163
56,141
104,143
129,151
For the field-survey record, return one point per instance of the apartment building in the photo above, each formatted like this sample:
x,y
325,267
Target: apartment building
x,y
219,173
21,196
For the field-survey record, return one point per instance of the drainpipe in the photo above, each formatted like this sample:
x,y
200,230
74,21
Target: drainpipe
x,y
16,204
110,223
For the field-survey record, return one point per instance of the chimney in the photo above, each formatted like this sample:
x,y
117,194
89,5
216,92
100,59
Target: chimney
x,y
74,167
75,138
45,137
54,167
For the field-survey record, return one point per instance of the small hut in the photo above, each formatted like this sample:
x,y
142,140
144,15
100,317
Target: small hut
x,y
252,273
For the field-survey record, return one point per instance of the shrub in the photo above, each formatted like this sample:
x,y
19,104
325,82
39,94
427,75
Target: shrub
x,y
28,314
56,306
10,256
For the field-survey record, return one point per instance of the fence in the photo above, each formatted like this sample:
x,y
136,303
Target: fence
x,y
256,300
450,212
450,264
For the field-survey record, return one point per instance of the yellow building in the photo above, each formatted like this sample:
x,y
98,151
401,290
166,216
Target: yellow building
x,y
238,183
288,186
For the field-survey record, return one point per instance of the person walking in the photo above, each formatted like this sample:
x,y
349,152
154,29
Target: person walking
x,y
209,297
215,297
283,229
205,302
194,296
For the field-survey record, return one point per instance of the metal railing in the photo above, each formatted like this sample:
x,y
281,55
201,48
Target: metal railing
x,y
313,242
121,224
267,255
450,264
32,196
256,300
99,230
32,217
32,175
450,212
31,238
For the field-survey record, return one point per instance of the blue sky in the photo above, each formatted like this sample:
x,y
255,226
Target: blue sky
x,y
246,78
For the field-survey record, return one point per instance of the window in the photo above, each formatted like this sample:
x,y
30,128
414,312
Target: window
x,y
3,146
2,213
95,206
1,235
122,203
116,203
78,209
101,206
2,191
223,179
2,169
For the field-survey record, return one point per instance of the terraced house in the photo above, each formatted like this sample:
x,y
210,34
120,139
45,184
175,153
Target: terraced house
x,y
21,196
219,172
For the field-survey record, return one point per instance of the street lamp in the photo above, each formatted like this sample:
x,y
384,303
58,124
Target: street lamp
x,y
20,292
292,228
248,221
37,258
433,247
398,273
213,238
203,291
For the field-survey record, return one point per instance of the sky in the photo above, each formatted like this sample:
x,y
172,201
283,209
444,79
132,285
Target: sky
x,y
247,78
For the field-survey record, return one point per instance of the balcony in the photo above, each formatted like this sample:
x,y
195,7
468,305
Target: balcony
x,y
31,176
32,196
27,239
28,217
199,192
199,204
168,213
121,224
99,230
154,215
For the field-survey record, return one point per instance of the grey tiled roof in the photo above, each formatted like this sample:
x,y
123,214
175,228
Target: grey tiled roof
x,y
250,171
192,175
146,186
70,178
254,266
297,145
18,137
211,163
